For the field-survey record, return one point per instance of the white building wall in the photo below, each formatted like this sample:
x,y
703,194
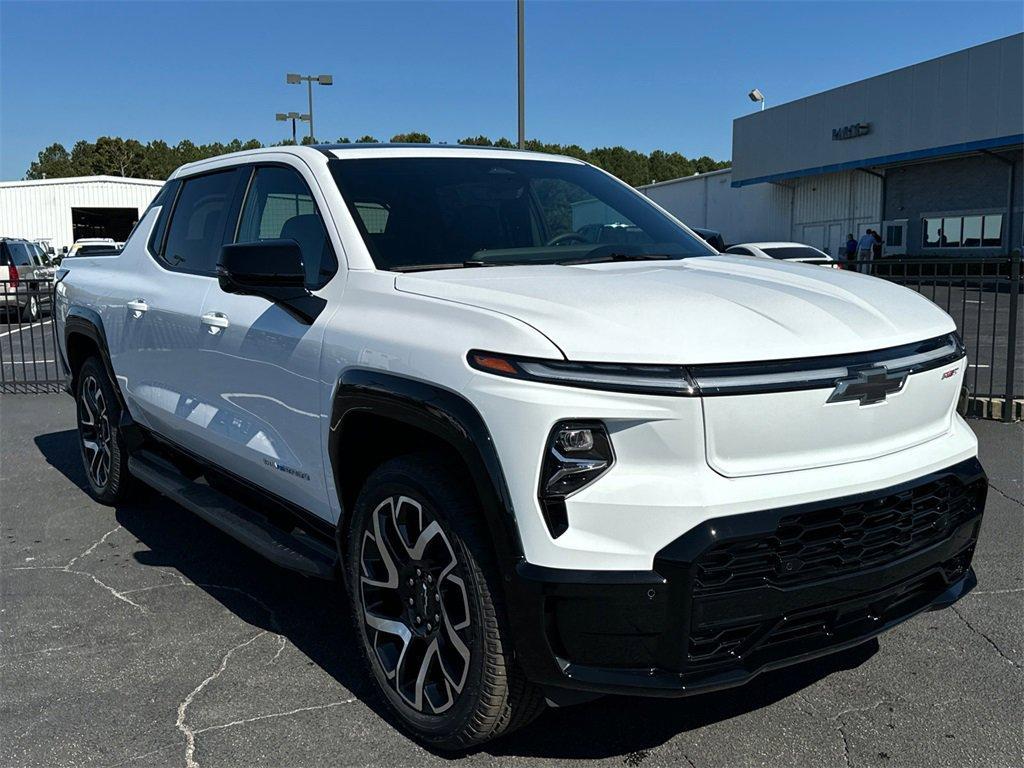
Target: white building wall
x,y
742,214
42,208
827,208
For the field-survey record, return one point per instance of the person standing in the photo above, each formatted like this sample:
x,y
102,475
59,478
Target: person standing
x,y
876,247
851,247
864,246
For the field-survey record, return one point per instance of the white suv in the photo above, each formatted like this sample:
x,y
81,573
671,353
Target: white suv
x,y
546,468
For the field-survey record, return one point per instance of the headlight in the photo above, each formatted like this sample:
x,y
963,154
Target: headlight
x,y
613,377
577,453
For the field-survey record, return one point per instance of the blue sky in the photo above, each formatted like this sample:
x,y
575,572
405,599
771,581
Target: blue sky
x,y
668,75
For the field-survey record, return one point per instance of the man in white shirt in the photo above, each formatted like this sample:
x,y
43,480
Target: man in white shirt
x,y
864,245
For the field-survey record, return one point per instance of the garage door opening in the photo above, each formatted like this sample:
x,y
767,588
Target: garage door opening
x,y
115,223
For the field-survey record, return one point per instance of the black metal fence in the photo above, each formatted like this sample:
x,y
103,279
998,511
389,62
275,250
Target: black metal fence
x,y
29,360
982,295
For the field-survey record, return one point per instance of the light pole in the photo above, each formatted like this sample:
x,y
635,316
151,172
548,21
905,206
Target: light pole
x,y
293,116
309,80
521,34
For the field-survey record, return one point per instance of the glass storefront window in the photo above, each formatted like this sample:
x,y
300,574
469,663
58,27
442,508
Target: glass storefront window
x,y
972,232
993,231
932,232
951,226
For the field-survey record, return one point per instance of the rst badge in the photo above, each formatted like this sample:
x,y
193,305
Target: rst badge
x,y
950,373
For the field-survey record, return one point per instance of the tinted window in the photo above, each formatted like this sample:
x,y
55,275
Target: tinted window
x,y
20,255
741,251
280,206
445,212
195,233
794,252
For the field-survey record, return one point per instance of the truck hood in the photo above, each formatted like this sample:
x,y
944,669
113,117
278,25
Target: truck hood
x,y
715,309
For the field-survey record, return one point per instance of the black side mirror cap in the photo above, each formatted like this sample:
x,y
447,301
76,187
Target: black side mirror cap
x,y
266,265
272,269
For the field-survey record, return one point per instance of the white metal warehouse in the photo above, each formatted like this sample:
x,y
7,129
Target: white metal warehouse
x,y
64,210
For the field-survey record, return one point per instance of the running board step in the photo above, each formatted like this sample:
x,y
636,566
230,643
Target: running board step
x,y
296,552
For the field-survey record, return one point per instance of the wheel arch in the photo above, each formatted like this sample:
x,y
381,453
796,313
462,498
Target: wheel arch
x,y
371,406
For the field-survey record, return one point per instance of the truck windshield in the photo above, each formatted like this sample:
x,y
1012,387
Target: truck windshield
x,y
438,213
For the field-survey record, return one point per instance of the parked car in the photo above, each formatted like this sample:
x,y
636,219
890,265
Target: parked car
x,y
712,237
795,252
545,469
25,278
92,245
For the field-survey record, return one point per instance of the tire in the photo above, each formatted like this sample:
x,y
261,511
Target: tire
x,y
428,608
30,312
104,454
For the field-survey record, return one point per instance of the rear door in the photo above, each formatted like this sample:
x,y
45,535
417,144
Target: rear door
x,y
259,362
156,354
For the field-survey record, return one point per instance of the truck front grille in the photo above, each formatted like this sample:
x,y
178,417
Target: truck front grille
x,y
824,543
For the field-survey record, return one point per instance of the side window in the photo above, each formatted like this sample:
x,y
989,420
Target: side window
x,y
196,231
279,206
740,251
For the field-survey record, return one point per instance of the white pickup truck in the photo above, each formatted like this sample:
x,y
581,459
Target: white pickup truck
x,y
546,468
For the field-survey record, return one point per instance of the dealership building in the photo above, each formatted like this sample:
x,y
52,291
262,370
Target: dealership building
x,y
930,156
64,210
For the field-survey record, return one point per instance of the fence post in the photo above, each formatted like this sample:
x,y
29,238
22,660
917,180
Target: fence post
x,y
1011,355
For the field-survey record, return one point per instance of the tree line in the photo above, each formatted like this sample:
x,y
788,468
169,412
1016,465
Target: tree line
x,y
115,156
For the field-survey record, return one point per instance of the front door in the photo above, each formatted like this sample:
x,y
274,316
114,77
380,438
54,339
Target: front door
x,y
259,363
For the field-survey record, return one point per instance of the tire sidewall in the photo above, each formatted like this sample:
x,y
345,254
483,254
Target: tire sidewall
x,y
118,473
393,479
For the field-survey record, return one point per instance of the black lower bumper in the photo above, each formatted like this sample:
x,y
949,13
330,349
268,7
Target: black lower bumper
x,y
743,594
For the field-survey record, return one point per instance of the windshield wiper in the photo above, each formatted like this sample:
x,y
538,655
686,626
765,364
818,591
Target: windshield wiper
x,y
611,257
442,265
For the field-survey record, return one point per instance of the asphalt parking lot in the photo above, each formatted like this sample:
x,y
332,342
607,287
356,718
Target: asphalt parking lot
x,y
140,636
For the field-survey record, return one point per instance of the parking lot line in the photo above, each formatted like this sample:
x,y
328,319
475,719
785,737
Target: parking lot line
x,y
25,328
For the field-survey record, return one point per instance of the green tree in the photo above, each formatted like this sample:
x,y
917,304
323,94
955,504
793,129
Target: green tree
x,y
367,140
52,162
410,138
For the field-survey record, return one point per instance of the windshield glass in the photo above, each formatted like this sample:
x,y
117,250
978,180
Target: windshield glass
x,y
437,213
795,252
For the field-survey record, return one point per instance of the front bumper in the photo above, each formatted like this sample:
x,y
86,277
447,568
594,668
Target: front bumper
x,y
743,594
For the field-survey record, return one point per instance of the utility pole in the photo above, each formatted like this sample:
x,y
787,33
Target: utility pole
x,y
521,29
294,79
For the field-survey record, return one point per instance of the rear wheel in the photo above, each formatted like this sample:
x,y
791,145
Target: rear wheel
x,y
104,455
428,608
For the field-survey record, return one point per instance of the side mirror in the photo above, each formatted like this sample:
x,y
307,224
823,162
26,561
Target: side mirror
x,y
269,268
272,269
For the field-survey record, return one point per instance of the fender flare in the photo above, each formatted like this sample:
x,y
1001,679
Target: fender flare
x,y
86,322
82,321
446,415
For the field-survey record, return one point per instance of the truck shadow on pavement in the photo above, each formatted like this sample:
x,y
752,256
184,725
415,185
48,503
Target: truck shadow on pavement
x,y
314,617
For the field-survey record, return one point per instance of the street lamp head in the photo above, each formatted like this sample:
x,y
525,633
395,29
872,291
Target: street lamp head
x,y
294,79
755,95
326,79
281,116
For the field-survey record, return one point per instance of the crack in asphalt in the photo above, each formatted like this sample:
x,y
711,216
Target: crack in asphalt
x,y
1016,665
1005,495
184,727
233,723
66,568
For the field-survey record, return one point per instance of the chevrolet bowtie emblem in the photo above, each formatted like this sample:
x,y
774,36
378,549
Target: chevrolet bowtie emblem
x,y
867,386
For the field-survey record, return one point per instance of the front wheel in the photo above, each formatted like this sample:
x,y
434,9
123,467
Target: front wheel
x,y
428,608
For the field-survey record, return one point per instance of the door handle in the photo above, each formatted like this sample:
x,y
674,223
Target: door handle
x,y
137,307
215,321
